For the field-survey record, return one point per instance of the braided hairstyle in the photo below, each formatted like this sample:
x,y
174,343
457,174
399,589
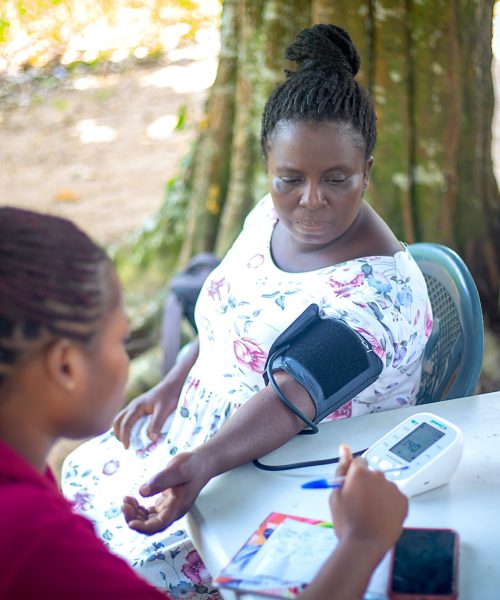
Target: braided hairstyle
x,y
54,283
322,88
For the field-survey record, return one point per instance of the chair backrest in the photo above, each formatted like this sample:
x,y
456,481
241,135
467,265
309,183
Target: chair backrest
x,y
454,353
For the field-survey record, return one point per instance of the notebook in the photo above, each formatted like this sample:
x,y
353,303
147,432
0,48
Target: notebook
x,y
284,554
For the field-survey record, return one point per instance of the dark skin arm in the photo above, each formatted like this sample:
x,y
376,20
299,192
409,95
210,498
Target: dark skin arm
x,y
158,402
258,427
365,530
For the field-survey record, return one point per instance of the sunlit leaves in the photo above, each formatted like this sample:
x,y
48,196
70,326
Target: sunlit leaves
x,y
35,33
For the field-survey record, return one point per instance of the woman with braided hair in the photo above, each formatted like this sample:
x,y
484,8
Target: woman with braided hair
x,y
312,239
63,367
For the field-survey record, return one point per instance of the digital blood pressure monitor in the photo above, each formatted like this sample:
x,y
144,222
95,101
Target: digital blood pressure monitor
x,y
427,446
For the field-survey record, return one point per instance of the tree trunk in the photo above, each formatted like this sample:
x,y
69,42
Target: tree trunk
x,y
427,64
211,170
228,173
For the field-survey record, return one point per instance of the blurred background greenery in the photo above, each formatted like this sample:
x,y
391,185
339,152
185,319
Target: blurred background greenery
x,y
41,33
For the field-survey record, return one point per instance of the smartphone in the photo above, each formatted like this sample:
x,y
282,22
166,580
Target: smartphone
x,y
424,565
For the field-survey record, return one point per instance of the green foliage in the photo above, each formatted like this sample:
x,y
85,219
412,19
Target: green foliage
x,y
181,118
144,288
60,104
4,29
38,33
144,373
147,260
160,238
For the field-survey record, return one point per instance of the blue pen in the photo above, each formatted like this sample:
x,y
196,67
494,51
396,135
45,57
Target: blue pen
x,y
321,484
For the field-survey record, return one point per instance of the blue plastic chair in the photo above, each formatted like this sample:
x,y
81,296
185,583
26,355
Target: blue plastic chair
x,y
454,353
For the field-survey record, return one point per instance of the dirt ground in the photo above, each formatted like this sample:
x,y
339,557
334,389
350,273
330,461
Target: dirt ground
x,y
99,147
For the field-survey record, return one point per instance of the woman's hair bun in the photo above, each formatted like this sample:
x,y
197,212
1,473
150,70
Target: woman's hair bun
x,y
324,47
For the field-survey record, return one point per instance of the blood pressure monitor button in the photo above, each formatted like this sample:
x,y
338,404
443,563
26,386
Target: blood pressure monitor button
x,y
374,459
385,464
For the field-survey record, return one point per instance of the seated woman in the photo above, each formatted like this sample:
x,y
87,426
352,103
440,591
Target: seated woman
x,y
63,367
313,239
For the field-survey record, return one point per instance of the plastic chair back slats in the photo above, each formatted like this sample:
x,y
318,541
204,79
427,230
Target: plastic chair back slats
x,y
453,355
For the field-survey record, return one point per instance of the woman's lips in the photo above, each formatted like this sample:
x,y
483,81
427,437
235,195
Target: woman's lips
x,y
312,225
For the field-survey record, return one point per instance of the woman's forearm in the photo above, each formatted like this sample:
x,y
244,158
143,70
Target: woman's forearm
x,y
346,573
258,427
178,373
261,425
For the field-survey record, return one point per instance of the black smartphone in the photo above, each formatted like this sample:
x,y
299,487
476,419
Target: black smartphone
x,y
424,565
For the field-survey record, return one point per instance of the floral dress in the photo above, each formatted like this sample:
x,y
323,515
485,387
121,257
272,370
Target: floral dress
x,y
245,303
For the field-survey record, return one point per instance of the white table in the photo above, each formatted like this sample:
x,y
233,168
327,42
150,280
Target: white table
x,y
232,505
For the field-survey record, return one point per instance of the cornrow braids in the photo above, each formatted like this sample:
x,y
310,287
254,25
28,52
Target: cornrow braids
x,y
54,282
322,88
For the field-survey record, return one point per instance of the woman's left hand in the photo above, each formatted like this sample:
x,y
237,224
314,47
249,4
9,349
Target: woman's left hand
x,y
179,483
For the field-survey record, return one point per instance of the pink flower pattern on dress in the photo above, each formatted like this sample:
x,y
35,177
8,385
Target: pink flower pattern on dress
x,y
191,389
249,354
344,288
427,323
144,451
256,261
82,501
344,412
215,287
194,569
111,467
374,343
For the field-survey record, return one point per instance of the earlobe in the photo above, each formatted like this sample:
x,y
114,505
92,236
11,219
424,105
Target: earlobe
x,y
368,168
62,364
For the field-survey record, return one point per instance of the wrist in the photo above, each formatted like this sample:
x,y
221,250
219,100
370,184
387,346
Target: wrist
x,y
347,570
172,382
371,551
206,464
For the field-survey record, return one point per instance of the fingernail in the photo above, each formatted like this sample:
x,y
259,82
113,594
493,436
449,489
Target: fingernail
x,y
144,490
153,436
342,451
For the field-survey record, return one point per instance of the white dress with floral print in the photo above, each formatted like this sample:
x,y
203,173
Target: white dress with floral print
x,y
245,303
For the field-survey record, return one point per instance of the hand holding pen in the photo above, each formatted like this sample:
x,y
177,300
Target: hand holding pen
x,y
338,482
366,506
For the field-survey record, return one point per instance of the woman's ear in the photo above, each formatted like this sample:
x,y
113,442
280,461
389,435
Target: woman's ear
x,y
63,364
368,168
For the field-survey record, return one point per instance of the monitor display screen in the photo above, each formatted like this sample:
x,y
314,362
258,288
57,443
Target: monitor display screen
x,y
416,442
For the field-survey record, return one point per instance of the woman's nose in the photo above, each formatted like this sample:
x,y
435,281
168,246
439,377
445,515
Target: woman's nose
x,y
312,198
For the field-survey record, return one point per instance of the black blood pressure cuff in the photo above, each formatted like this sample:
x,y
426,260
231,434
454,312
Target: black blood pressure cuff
x,y
328,358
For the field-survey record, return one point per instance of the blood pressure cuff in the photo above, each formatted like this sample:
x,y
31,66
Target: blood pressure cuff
x,y
328,358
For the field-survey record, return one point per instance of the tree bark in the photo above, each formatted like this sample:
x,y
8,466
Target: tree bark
x,y
211,170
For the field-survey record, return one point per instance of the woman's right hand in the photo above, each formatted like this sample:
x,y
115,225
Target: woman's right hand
x,y
159,402
368,508
368,513
178,486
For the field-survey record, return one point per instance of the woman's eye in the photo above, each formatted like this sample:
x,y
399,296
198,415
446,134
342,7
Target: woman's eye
x,y
285,184
334,180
